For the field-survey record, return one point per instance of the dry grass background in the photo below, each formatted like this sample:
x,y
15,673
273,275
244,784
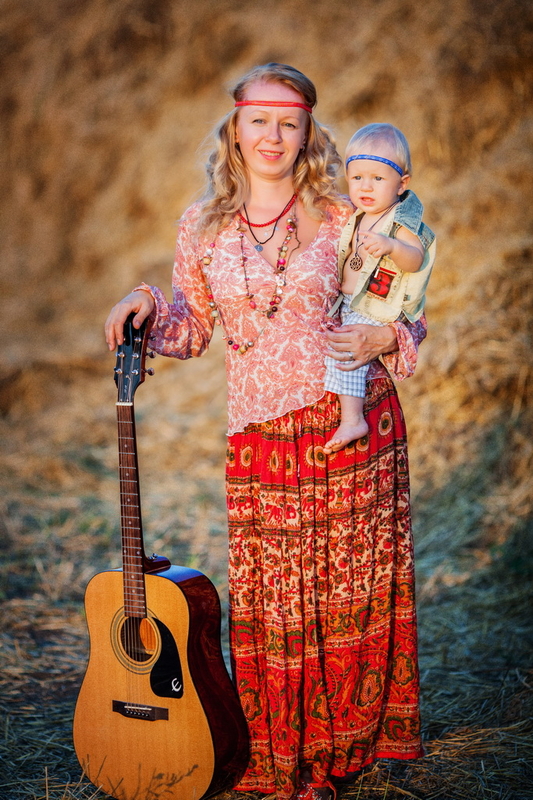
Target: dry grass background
x,y
105,107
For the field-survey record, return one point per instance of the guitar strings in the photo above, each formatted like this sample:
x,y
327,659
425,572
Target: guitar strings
x,y
133,575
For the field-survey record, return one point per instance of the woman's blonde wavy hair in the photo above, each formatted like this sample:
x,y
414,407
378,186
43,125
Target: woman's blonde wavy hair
x,y
315,168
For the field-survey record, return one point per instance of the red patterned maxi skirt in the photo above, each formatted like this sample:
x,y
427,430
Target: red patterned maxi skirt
x,y
321,578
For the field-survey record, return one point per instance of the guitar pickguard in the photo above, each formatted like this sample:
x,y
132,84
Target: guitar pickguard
x,y
166,677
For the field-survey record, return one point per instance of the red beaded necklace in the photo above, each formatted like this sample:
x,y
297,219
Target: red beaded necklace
x,y
280,280
272,221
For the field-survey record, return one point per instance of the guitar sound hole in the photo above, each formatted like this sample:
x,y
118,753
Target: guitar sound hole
x,y
139,639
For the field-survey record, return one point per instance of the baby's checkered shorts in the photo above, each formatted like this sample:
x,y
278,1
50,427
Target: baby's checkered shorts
x,y
352,383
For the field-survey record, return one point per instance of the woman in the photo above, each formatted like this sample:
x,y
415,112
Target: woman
x,y
323,631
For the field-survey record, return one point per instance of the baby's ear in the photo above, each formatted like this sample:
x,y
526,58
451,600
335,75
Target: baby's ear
x,y
404,183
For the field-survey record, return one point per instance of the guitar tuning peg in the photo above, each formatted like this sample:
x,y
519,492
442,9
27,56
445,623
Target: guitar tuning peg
x,y
151,354
149,371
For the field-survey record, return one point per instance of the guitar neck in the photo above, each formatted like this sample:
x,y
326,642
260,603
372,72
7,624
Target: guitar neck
x,y
133,558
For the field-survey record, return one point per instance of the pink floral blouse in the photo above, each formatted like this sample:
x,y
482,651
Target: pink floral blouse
x,y
284,370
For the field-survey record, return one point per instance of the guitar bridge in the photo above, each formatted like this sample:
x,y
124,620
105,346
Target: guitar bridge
x,y
140,711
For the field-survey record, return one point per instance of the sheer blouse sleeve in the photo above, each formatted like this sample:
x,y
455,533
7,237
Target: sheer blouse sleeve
x,y
183,328
401,364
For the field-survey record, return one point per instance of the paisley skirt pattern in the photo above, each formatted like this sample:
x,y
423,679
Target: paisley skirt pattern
x,y
321,579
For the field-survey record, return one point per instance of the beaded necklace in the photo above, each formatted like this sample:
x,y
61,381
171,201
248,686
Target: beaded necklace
x,y
277,295
259,246
270,222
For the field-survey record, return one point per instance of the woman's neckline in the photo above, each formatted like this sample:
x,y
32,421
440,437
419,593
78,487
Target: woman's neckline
x,y
297,252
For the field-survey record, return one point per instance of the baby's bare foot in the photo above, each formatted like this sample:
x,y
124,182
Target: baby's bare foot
x,y
346,432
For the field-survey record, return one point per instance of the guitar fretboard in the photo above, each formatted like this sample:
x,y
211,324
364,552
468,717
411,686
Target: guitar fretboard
x,y
130,514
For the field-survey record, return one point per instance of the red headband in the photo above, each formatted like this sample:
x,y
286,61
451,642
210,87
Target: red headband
x,y
273,103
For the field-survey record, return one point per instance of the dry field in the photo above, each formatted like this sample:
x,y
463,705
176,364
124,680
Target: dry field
x,y
104,106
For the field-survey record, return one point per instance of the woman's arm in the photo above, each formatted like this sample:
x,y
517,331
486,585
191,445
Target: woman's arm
x,y
401,363
184,327
397,343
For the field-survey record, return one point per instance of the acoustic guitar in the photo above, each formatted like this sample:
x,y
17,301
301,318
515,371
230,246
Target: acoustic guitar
x,y
157,717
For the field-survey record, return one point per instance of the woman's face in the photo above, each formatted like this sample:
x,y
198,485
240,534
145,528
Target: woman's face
x,y
270,137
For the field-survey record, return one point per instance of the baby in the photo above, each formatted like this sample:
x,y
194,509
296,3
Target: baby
x,y
385,258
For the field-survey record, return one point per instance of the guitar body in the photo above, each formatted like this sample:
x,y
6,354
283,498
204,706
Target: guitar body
x,y
157,716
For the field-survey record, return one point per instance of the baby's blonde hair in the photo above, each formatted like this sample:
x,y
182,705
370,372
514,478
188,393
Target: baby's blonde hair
x,y
315,169
364,138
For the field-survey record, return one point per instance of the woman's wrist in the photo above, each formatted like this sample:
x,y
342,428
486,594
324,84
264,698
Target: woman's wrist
x,y
143,287
391,338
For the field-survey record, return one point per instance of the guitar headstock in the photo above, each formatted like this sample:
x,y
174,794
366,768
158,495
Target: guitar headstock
x,y
131,356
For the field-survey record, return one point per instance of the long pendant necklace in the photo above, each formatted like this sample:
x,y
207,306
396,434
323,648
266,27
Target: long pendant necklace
x,y
356,262
277,295
259,246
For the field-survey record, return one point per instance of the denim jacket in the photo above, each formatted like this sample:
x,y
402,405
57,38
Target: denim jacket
x,y
383,291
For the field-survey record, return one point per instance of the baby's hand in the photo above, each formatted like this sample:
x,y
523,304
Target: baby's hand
x,y
377,244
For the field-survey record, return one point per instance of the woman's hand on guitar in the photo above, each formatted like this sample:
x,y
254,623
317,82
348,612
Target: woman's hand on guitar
x,y
140,303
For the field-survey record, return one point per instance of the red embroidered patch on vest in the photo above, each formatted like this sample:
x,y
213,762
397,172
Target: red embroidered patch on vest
x,y
380,283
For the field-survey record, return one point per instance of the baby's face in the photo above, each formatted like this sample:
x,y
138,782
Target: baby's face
x,y
374,186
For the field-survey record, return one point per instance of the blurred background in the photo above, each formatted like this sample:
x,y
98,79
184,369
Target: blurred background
x,y
106,108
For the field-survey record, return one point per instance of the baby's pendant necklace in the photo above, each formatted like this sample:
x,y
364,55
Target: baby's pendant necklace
x,y
259,246
356,262
277,296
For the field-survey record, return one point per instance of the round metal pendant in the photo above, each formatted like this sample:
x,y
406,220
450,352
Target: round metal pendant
x,y
356,262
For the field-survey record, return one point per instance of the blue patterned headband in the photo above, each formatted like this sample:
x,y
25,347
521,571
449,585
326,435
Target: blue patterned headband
x,y
376,158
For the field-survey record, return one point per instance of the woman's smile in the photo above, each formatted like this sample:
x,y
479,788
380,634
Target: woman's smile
x,y
271,154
